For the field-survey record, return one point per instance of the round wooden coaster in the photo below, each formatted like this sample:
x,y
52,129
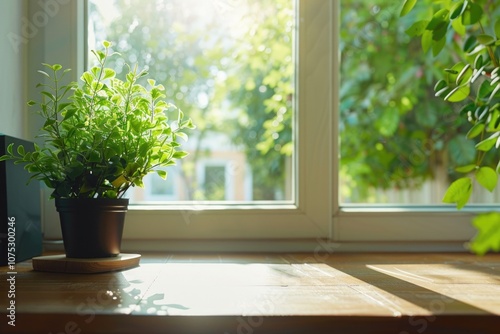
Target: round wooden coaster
x,y
62,264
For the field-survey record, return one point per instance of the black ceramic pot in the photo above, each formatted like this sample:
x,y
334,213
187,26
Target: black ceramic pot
x,y
92,227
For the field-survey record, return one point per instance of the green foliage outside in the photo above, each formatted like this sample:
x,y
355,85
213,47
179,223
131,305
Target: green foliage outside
x,y
394,133
470,82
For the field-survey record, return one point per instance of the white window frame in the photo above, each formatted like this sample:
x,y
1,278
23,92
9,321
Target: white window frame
x,y
314,220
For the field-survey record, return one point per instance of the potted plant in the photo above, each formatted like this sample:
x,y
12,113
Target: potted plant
x,y
468,31
100,137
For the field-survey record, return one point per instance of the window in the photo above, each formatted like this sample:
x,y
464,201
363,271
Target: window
x,y
314,212
400,144
230,67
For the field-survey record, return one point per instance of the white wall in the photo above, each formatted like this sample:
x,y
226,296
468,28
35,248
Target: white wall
x,y
12,69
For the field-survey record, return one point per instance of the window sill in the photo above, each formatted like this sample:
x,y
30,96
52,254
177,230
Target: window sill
x,y
266,293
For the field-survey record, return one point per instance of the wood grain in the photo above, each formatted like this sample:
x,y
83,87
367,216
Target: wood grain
x,y
265,293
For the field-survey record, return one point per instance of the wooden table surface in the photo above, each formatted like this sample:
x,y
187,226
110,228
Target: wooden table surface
x,y
263,293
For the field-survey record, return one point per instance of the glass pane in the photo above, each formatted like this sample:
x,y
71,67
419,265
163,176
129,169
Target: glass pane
x,y
399,143
227,64
215,183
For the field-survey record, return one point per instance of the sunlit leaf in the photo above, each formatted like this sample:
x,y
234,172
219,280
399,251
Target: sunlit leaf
x,y
459,192
488,233
458,94
466,169
417,28
426,40
407,7
162,174
487,177
459,27
488,143
464,75
476,130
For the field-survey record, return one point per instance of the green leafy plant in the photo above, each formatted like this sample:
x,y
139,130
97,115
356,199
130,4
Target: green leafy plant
x,y
103,136
467,29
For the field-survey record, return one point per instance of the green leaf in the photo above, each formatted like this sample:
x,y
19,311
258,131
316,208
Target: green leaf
x,y
61,106
488,236
464,75
464,111
494,121
458,94
458,9
488,143
87,78
407,7
459,192
466,169
49,95
108,73
94,156
459,27
179,155
481,112
484,90
479,48
476,130
497,28
162,174
106,44
426,40
440,85
440,32
417,28
10,148
69,113
437,46
44,73
487,177
438,19
472,14
486,39
469,43
478,62
20,150
494,92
